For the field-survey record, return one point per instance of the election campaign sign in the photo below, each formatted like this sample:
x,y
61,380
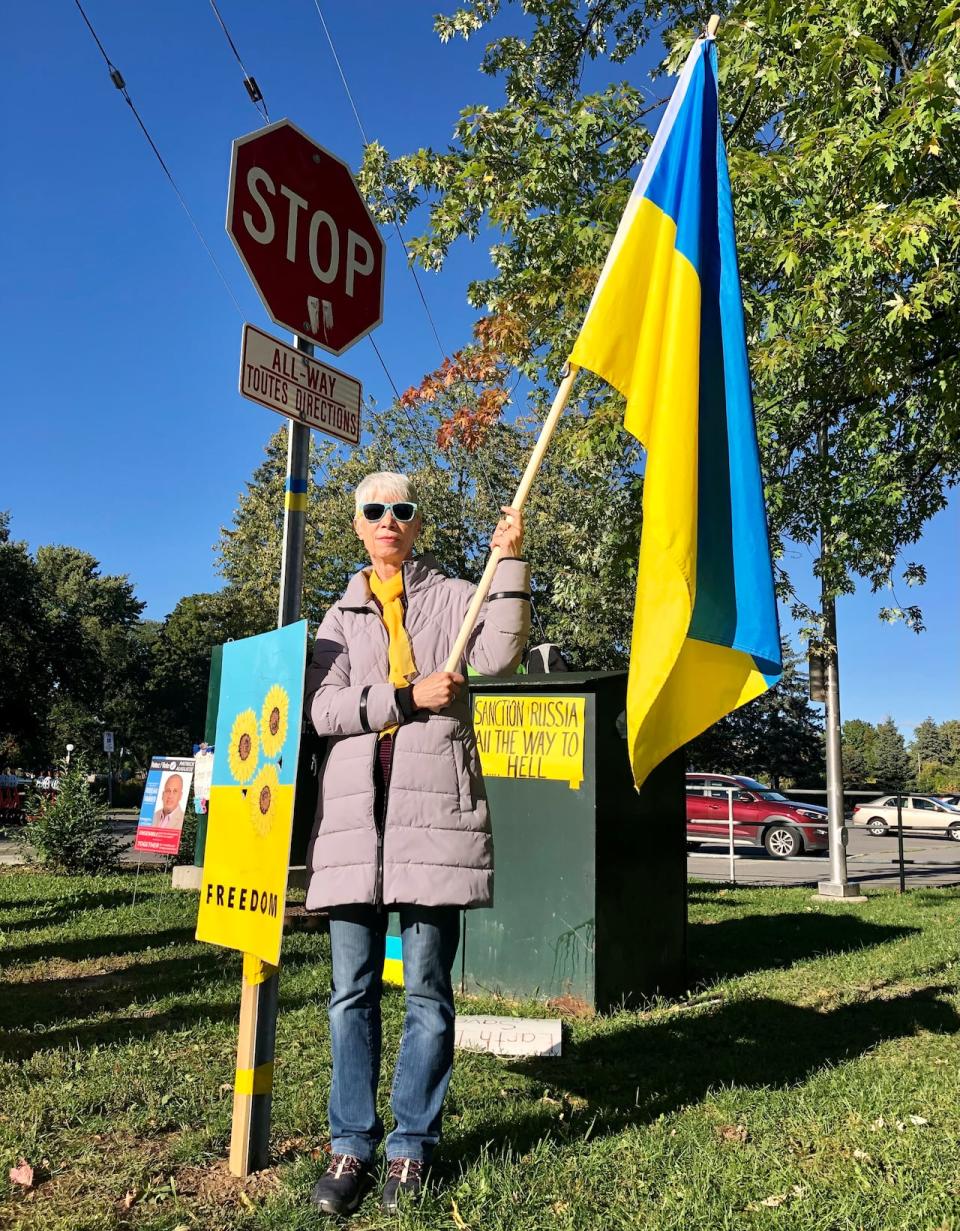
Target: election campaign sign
x,y
250,810
164,803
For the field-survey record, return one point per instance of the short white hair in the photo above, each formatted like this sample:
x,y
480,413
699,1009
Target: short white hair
x,y
384,483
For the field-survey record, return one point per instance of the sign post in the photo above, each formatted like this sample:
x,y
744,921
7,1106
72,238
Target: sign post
x,y
108,749
316,259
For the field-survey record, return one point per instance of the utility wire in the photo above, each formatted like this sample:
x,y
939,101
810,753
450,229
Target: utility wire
x,y
396,220
117,78
491,495
260,99
249,81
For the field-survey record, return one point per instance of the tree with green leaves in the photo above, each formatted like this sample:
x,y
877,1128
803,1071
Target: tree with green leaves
x,y
951,733
101,654
176,691
890,762
930,743
858,740
841,129
583,521
67,830
26,654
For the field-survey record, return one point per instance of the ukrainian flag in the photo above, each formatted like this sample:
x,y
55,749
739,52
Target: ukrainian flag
x,y
665,327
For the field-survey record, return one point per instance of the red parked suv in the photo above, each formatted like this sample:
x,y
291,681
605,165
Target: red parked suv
x,y
761,817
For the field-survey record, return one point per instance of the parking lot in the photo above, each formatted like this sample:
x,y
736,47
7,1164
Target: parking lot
x,y
929,860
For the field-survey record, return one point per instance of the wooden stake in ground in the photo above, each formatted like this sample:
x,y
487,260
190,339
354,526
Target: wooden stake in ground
x,y
533,466
253,1085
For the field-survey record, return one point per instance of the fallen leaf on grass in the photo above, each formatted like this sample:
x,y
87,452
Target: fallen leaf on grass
x,y
733,1132
862,1156
129,1198
22,1174
919,1121
245,1200
776,1199
456,1216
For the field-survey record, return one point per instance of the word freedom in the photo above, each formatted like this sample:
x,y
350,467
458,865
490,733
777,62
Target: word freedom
x,y
254,900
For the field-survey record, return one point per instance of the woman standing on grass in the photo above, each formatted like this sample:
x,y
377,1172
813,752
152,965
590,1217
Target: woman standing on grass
x,y
402,821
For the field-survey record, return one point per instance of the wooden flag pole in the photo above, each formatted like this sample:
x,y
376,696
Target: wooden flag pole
x,y
536,457
712,25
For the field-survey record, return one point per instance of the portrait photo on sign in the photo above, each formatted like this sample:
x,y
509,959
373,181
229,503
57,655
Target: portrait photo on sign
x,y
165,796
171,800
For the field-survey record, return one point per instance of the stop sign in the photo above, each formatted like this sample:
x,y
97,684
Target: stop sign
x,y
306,237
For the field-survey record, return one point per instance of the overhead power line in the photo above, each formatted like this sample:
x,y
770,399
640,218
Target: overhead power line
x,y
117,78
249,81
396,220
491,495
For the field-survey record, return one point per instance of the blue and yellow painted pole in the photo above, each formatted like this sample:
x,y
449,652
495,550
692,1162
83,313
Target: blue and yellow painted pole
x,y
256,1043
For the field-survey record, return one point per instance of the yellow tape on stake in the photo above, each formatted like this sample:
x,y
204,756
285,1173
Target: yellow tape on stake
x,y
255,1081
255,970
297,501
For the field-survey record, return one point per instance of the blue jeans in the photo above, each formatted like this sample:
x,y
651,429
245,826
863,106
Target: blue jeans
x,y
357,942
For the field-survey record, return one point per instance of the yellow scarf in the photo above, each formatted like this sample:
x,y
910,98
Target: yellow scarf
x,y
399,651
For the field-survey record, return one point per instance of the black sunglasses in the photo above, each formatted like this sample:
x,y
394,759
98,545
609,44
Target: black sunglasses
x,y
402,510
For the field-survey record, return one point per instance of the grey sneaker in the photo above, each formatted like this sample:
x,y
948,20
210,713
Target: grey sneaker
x,y
404,1175
339,1190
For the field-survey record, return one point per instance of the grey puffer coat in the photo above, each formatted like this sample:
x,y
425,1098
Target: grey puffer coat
x,y
436,847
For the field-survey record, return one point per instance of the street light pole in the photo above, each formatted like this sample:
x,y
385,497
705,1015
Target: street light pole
x,y
837,886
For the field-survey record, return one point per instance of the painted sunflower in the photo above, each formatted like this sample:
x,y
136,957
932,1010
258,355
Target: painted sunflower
x,y
244,746
263,800
273,721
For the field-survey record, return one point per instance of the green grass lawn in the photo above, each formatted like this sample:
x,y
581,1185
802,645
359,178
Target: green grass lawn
x,y
811,1080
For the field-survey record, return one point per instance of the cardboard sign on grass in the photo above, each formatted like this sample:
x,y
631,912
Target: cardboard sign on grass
x,y
251,797
508,1036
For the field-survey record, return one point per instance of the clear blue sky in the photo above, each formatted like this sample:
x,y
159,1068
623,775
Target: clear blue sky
x,y
123,431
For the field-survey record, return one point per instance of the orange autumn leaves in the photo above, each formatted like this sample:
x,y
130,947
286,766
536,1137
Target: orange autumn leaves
x,y
471,383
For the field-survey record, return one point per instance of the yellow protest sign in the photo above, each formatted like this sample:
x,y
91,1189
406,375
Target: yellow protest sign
x,y
250,810
531,737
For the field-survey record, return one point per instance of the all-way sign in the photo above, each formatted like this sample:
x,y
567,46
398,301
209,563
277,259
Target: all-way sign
x,y
302,388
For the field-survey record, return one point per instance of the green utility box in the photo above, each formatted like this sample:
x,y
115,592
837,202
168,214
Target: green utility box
x,y
590,898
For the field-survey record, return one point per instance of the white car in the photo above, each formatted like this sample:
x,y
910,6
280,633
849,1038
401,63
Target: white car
x,y
918,811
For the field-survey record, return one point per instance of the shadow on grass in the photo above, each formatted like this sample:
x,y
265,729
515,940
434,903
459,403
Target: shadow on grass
x,y
66,1002
61,909
82,948
153,974
732,947
650,1069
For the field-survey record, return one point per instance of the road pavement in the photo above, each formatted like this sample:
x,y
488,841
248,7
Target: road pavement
x,y
933,860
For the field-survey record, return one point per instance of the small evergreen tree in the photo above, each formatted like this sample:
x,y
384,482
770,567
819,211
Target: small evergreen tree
x,y
890,761
930,744
67,831
858,739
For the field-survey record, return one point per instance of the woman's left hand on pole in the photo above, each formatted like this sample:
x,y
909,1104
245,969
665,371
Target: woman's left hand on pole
x,y
508,535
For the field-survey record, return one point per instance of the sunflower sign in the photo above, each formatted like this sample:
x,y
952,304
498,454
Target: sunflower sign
x,y
251,795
